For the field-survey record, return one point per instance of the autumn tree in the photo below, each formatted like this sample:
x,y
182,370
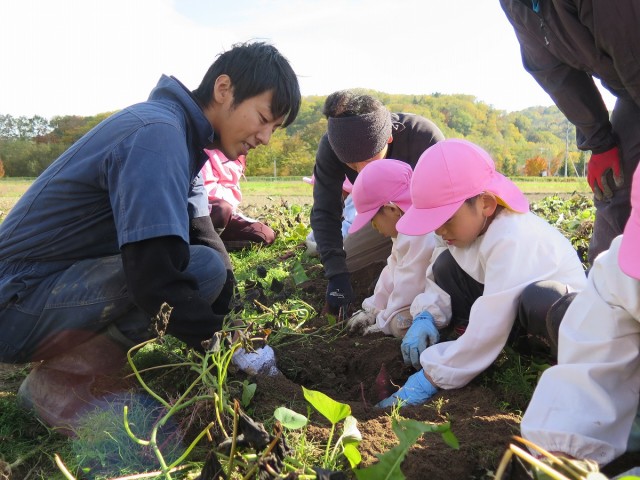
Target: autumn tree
x,y
534,167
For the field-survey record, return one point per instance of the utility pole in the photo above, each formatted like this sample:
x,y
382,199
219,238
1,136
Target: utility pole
x,y
566,150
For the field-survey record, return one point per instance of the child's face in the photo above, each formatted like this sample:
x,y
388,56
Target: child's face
x,y
386,219
465,225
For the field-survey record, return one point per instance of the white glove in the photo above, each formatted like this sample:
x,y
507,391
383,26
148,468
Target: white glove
x,y
262,360
371,329
360,320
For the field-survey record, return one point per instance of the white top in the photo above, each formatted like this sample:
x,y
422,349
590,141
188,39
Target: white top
x,y
585,405
402,278
516,250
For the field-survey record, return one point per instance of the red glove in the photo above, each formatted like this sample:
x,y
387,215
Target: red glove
x,y
602,169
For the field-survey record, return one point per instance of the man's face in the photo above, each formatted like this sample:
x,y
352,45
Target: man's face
x,y
358,166
244,126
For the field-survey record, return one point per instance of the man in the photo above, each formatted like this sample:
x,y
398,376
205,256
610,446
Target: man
x,y
565,44
119,225
360,130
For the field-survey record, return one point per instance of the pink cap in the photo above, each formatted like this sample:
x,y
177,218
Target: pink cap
x,y
629,256
346,185
446,175
379,183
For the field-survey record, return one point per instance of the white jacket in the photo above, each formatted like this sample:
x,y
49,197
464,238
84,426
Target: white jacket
x,y
402,278
585,405
516,250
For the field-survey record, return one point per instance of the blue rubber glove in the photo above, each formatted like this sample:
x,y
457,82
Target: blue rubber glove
x,y
339,292
416,391
420,335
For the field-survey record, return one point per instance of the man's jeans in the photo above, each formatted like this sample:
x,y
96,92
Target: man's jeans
x,y
87,298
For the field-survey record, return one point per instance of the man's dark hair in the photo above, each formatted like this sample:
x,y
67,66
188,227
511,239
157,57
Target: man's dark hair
x,y
349,103
255,68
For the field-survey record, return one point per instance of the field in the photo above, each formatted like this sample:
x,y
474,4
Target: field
x,y
281,293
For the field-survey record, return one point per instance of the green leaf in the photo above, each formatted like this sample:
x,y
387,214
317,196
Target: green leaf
x,y
248,391
450,439
299,275
408,432
352,454
290,419
329,408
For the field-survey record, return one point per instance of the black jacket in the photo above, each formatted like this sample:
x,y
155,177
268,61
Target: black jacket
x,y
568,43
412,135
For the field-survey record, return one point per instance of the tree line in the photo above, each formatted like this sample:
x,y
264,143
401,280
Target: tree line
x,y
534,141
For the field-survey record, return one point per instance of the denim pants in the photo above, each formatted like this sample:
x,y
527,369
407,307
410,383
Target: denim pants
x,y
88,297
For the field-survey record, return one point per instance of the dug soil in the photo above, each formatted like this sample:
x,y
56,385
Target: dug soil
x,y
346,366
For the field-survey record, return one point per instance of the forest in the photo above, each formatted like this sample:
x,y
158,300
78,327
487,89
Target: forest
x,y
531,142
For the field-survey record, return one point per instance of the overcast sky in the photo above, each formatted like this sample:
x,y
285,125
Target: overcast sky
x,y
82,57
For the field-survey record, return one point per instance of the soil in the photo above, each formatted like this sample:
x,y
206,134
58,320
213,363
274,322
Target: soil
x,y
345,367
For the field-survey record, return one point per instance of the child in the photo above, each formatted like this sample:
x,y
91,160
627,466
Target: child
x,y
585,406
381,196
222,182
502,263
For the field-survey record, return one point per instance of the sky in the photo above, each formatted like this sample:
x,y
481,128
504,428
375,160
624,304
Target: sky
x,y
83,57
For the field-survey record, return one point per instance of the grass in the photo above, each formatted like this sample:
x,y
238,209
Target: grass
x,y
12,188
28,447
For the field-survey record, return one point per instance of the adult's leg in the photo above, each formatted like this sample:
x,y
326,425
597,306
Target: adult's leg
x,y
612,215
85,299
82,334
366,247
461,287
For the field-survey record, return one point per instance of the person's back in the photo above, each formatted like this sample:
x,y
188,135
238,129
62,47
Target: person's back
x,y
77,207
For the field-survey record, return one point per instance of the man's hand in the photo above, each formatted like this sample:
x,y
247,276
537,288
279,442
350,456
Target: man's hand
x,y
360,321
420,335
602,169
416,391
222,304
339,293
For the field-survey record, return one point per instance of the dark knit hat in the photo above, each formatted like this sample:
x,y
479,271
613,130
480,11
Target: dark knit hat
x,y
359,137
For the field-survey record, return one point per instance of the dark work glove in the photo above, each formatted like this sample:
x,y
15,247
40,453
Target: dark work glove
x,y
222,305
339,292
603,169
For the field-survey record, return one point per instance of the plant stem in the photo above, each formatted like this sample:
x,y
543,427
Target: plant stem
x,y
326,453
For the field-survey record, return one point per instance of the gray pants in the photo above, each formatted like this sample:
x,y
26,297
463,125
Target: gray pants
x,y
366,247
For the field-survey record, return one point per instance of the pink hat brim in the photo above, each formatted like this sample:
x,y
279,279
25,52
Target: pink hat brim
x,y
420,221
628,257
508,192
361,219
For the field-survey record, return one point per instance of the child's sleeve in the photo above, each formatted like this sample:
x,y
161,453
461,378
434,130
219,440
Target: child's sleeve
x,y
432,298
384,286
406,275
